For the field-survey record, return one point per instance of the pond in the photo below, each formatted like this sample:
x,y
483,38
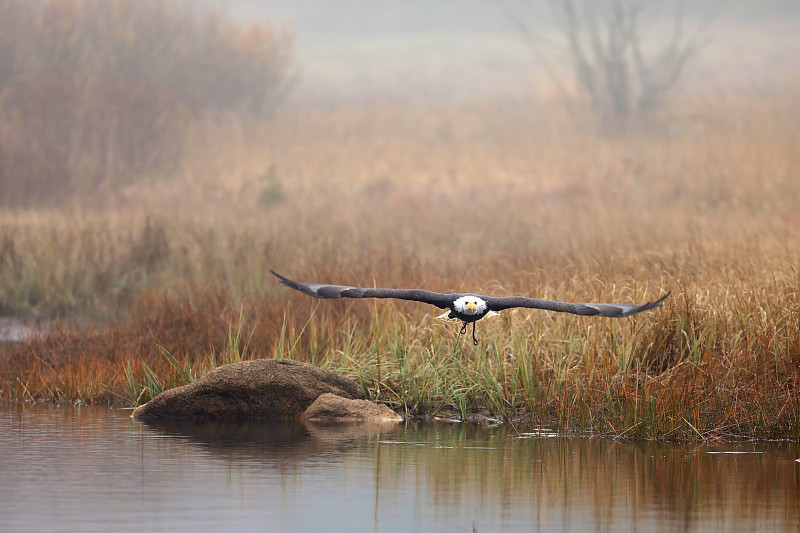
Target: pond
x,y
65,468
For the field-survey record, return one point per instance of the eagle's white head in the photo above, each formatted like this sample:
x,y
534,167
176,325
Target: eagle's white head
x,y
470,305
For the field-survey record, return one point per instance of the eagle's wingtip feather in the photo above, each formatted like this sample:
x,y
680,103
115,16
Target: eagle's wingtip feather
x,y
286,281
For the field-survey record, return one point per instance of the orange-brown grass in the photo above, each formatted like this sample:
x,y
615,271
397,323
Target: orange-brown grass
x,y
483,198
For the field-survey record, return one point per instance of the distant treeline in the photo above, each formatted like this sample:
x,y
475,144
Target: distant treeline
x,y
101,93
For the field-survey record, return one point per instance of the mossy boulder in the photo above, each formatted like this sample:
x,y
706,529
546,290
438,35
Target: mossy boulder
x,y
263,388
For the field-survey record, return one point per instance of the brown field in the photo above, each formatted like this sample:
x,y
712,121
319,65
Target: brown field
x,y
159,282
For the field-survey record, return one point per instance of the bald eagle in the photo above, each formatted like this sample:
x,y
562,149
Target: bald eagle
x,y
468,307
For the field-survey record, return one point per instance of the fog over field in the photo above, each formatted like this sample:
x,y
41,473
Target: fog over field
x,y
362,51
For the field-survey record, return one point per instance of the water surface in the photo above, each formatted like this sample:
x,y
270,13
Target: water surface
x,y
94,469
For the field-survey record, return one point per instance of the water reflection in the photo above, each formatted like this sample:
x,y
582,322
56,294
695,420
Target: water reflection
x,y
86,469
269,440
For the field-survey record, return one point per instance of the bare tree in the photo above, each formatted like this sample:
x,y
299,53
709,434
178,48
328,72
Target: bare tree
x,y
622,68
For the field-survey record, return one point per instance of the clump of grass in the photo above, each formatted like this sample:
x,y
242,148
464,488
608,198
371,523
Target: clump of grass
x,y
272,192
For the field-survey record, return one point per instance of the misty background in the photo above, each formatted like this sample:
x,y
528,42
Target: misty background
x,y
360,51
98,95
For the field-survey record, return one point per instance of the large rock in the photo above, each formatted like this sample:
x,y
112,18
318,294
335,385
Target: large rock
x,y
264,388
333,409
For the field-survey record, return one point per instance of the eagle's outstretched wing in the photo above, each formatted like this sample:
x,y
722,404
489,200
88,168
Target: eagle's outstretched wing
x,y
612,310
321,290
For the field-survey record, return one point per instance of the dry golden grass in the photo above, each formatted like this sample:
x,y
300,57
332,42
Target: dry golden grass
x,y
489,198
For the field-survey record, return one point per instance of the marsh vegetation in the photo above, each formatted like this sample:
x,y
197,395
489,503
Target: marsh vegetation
x,y
712,218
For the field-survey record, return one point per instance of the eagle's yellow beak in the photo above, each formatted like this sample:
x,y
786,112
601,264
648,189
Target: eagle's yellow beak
x,y
471,306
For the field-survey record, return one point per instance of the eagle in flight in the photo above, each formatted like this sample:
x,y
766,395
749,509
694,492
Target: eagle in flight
x,y
468,307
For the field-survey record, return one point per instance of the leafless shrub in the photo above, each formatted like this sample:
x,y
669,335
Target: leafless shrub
x,y
619,66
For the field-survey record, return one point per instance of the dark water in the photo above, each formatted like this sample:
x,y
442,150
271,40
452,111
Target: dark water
x,y
94,469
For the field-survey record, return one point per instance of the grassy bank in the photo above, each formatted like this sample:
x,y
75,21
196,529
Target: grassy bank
x,y
485,198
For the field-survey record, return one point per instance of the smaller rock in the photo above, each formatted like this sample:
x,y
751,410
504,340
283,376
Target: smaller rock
x,y
332,409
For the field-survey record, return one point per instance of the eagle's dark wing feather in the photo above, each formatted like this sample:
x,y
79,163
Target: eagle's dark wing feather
x,y
612,310
321,290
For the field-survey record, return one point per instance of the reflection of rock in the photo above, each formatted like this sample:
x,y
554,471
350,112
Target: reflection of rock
x,y
286,441
340,436
247,436
332,409
277,388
